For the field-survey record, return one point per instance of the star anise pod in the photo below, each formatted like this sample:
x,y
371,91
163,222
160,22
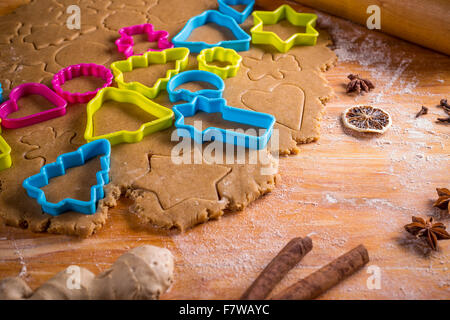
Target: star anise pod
x,y
432,232
358,84
443,202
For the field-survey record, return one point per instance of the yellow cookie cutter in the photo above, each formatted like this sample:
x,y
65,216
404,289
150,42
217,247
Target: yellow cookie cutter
x,y
5,153
307,20
165,116
179,55
223,55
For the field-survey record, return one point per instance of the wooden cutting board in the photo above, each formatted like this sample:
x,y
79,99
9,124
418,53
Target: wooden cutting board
x,y
344,190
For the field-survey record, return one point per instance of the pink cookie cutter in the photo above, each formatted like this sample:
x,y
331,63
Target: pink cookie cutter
x,y
26,89
78,70
125,43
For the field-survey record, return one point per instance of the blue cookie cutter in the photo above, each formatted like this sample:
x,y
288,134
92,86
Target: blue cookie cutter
x,y
190,76
225,6
247,117
58,168
1,93
241,43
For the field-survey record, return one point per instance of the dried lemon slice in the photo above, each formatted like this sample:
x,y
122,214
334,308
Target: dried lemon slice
x,y
367,119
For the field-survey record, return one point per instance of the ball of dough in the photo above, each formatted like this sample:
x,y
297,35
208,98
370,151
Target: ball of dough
x,y
14,289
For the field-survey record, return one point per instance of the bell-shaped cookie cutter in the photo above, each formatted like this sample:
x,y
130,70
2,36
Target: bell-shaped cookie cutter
x,y
225,6
241,43
192,76
125,43
179,55
251,118
164,116
207,56
23,90
58,168
78,70
5,153
307,20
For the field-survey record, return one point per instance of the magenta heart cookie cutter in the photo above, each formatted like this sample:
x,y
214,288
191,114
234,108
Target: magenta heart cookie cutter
x,y
125,43
26,89
78,70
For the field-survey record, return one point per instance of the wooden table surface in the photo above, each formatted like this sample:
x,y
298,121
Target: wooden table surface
x,y
344,190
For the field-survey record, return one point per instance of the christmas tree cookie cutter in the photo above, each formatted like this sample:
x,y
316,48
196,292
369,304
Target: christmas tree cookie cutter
x,y
225,6
307,20
179,55
58,168
191,76
241,43
164,116
125,43
5,153
23,90
207,56
247,117
79,70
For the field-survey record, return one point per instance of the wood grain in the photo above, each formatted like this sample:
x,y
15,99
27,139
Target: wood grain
x,y
344,190
418,21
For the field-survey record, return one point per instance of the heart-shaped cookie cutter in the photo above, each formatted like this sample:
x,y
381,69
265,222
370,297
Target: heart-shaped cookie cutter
x,y
207,56
78,70
241,43
23,90
247,117
58,168
191,76
125,43
5,153
225,6
307,20
179,55
164,116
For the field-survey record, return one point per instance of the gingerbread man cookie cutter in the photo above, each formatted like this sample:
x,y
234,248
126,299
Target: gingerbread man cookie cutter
x,y
164,116
179,55
307,20
58,168
125,43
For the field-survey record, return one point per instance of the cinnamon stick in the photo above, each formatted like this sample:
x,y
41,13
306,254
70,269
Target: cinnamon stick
x,y
285,260
327,277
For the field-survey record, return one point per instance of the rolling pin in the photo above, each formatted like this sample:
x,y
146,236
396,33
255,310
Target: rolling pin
x,y
424,22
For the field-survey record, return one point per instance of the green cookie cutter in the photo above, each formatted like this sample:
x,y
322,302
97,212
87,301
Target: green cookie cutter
x,y
307,20
179,55
5,154
164,116
223,55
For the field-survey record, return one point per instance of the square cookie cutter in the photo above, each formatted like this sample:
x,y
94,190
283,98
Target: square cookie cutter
x,y
307,20
164,116
179,55
125,43
23,90
241,43
247,117
207,56
225,6
58,168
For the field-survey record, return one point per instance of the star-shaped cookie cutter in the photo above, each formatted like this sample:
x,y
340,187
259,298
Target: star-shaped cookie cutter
x,y
225,6
247,117
58,168
25,89
179,55
5,153
307,20
207,56
241,43
125,43
164,116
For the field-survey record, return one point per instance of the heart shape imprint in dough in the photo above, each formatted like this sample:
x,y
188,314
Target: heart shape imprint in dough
x,y
285,102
